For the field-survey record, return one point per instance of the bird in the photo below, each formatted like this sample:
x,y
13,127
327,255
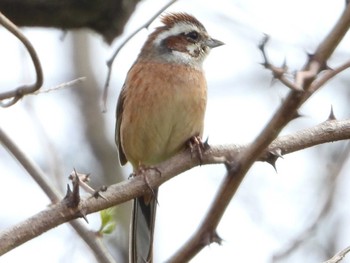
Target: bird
x,y
160,110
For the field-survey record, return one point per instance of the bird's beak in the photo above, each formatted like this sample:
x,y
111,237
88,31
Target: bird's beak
x,y
211,42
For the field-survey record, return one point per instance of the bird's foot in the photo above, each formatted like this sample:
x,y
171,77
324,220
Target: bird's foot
x,y
141,171
195,144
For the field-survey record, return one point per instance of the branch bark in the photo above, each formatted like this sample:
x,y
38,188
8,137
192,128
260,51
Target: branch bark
x,y
305,81
238,158
328,131
41,179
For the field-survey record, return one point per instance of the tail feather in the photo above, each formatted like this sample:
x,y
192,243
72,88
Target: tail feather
x,y
142,228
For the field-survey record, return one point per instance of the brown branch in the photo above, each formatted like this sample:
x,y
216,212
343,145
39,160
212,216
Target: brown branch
x,y
57,214
14,95
277,72
41,179
206,233
243,157
328,75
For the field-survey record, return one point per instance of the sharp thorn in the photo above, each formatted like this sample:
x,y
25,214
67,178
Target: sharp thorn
x,y
331,116
297,115
83,215
98,194
216,238
206,145
273,157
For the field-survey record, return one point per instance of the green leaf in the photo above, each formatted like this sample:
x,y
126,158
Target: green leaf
x,y
109,228
108,223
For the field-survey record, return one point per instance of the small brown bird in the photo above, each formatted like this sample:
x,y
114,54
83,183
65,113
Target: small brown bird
x,y
160,108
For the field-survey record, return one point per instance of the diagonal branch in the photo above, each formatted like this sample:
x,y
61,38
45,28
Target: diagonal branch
x,y
328,131
206,233
339,256
41,179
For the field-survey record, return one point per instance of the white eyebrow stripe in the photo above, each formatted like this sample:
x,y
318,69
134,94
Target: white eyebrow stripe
x,y
177,29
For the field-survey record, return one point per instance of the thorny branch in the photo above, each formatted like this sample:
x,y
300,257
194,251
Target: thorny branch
x,y
277,72
238,158
302,89
11,97
328,131
41,179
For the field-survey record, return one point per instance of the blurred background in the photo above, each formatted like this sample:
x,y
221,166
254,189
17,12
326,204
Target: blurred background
x,y
299,214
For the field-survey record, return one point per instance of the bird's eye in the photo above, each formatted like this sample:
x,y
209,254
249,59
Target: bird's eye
x,y
193,35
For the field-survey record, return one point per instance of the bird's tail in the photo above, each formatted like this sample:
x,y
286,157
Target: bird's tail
x,y
142,228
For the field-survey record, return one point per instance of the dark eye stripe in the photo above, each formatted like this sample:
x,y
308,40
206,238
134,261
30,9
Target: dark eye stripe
x,y
193,35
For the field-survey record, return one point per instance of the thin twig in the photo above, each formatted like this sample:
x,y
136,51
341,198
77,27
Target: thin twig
x,y
339,256
116,52
277,72
13,96
60,86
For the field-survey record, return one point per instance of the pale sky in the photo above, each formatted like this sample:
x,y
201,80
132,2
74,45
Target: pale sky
x,y
270,210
